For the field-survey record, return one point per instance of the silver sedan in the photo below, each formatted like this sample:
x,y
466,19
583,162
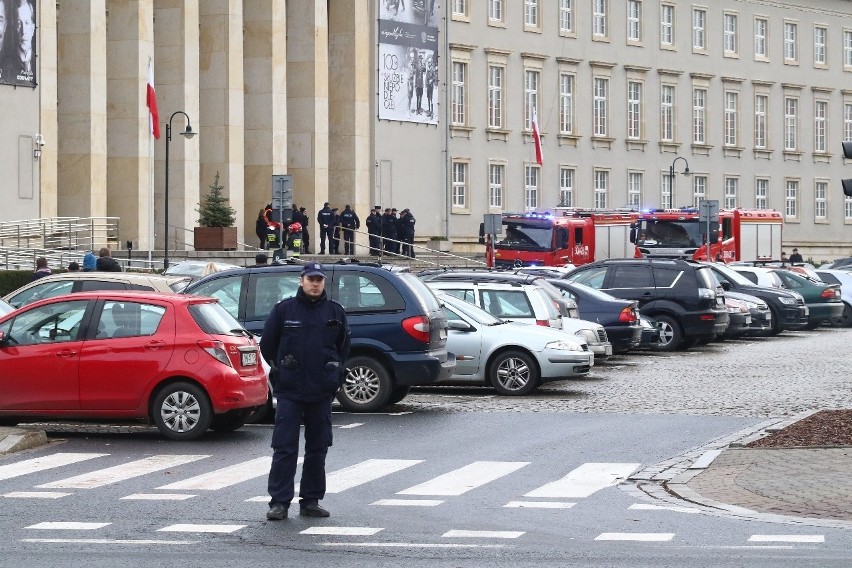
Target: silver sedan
x,y
514,358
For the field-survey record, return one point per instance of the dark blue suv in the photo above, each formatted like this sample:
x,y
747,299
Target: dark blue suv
x,y
399,330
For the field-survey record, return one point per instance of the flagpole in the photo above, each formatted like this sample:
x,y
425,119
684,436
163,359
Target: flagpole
x,y
150,186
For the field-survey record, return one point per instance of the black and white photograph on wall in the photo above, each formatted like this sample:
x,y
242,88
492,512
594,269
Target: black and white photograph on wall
x,y
408,60
17,42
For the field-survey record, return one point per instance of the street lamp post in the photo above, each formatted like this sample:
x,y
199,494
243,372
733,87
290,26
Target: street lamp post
x,y
686,172
187,133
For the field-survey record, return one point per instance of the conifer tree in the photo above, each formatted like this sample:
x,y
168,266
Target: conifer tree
x,y
214,209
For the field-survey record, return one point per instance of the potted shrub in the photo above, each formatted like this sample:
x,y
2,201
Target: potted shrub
x,y
216,230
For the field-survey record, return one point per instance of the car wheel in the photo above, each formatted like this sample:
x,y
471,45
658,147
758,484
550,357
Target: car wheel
x,y
367,386
230,421
845,320
776,323
513,373
671,336
182,411
398,394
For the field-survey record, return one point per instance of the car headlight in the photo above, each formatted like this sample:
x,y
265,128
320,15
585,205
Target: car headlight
x,y
787,300
565,345
588,334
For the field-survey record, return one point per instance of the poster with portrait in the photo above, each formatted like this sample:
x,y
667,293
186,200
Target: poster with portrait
x,y
18,42
408,60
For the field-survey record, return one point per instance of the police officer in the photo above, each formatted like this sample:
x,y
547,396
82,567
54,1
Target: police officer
x,y
389,230
306,342
335,231
374,228
325,218
304,220
349,222
406,232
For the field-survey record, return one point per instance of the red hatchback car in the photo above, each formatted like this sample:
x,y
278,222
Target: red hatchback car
x,y
179,361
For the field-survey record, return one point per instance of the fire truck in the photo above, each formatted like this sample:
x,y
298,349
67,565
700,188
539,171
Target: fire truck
x,y
566,236
739,234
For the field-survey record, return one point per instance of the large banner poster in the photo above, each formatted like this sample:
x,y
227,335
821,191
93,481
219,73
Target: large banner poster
x,y
17,42
408,60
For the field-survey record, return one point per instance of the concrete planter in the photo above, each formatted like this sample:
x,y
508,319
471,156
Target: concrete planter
x,y
441,245
215,238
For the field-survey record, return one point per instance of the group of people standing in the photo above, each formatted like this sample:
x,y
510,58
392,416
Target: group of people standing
x,y
389,233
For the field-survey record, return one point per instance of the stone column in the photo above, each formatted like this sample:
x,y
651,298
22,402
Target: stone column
x,y
82,87
265,70
350,77
222,115
307,105
48,94
130,42
176,80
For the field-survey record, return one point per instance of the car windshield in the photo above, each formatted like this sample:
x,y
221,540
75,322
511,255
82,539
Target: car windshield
x,y
527,236
732,275
670,233
469,310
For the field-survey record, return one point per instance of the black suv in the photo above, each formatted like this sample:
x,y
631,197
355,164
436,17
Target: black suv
x,y
399,330
788,309
682,295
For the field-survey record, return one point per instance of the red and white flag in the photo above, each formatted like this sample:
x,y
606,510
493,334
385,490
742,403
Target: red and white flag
x,y
536,136
151,98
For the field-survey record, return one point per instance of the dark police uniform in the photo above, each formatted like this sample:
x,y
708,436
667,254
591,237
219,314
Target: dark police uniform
x,y
374,228
325,218
348,221
406,232
306,341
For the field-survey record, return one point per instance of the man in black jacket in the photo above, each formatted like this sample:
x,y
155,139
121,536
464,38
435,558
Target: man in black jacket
x,y
374,228
325,218
406,232
349,222
306,342
389,229
106,263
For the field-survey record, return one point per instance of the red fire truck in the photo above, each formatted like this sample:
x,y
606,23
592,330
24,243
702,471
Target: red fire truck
x,y
745,234
567,236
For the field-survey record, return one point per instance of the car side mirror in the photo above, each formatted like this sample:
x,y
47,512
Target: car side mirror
x,y
726,286
4,340
458,325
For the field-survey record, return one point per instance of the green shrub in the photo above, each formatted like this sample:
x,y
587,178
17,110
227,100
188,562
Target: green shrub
x,y
11,280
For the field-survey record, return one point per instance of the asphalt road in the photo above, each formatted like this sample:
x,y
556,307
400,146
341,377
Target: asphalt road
x,y
550,456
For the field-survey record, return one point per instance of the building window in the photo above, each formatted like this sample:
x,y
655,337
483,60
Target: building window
x,y
460,185
699,190
820,206
601,102
666,191
601,185
731,34
847,208
791,199
820,125
566,103
634,110
820,39
791,124
495,96
459,102
731,103
566,16
667,96
699,116
699,29
761,193
847,122
531,187
761,26
666,25
791,46
634,20
847,48
459,8
761,102
599,20
495,10
496,174
531,81
634,189
731,188
566,187
531,13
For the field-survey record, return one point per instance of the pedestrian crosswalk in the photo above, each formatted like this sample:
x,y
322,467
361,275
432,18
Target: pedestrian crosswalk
x,y
381,482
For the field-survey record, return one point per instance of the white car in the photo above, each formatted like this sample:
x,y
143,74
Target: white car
x,y
844,278
512,357
759,275
525,303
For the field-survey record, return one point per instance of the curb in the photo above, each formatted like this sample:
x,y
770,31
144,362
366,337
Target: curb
x,y
19,439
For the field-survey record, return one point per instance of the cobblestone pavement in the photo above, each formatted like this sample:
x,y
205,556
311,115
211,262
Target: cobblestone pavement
x,y
752,377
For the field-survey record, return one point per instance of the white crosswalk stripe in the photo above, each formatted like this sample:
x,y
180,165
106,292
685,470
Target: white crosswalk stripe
x,y
225,477
637,537
462,480
364,472
809,538
585,480
34,465
121,472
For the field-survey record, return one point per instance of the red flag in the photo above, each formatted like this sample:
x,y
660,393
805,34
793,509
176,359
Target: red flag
x,y
153,113
536,136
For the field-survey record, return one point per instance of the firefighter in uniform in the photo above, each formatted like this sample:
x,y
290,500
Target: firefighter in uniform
x,y
294,239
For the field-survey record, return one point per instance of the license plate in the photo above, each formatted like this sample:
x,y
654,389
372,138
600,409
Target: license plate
x,y
608,350
807,311
249,359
